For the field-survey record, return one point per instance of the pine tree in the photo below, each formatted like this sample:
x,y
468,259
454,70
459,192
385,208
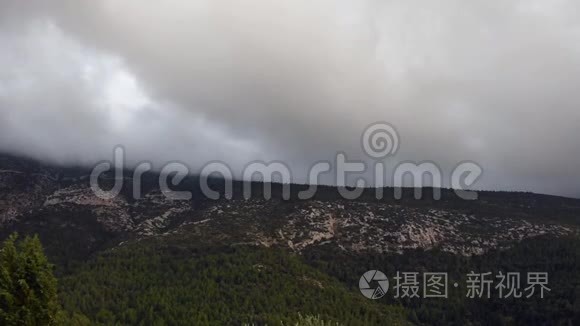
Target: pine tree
x,y
28,289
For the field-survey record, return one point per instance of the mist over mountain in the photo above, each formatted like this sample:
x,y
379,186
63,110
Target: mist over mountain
x,y
289,162
297,81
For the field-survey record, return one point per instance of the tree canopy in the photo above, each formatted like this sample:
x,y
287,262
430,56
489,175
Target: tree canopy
x,y
28,288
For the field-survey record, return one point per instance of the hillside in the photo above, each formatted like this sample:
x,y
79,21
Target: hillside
x,y
152,260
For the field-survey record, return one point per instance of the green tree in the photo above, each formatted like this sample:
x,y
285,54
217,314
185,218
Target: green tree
x,y
28,290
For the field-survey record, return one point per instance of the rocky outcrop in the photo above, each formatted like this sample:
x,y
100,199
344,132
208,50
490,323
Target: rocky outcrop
x,y
36,198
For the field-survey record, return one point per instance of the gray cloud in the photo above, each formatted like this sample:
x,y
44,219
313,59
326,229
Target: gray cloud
x,y
297,81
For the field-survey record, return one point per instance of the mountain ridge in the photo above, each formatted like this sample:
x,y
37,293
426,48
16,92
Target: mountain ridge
x,y
59,204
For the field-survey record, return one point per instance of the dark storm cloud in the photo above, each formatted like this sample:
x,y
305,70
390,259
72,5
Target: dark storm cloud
x,y
297,81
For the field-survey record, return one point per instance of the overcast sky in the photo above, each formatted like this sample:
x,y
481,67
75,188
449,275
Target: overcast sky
x,y
491,81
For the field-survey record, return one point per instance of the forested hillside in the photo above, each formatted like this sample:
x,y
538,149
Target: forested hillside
x,y
155,284
155,261
163,283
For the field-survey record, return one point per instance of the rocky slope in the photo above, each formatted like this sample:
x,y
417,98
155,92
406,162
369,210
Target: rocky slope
x,y
60,206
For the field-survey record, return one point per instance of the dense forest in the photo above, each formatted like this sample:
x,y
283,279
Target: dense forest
x,y
160,282
155,285
559,257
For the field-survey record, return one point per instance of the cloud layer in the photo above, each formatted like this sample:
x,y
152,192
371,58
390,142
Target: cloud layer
x,y
489,81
